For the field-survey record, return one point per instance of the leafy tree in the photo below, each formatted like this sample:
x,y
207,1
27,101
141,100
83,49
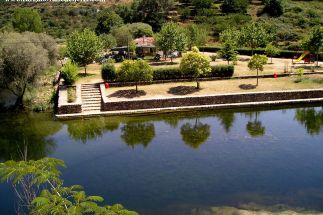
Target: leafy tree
x,y
314,42
108,71
21,64
197,35
27,177
27,19
257,62
134,133
108,41
152,12
123,35
230,35
83,47
195,134
195,64
171,38
228,52
274,7
254,35
140,29
107,20
69,72
234,6
271,51
136,71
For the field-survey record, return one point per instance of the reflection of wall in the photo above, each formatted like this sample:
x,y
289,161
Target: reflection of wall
x,y
210,100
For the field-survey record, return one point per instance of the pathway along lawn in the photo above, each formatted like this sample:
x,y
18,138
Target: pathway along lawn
x,y
213,87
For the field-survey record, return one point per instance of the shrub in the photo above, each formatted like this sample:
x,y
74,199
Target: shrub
x,y
108,72
69,72
234,6
71,94
274,7
167,74
222,71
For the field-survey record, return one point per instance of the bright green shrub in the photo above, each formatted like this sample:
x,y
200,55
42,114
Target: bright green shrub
x,y
69,73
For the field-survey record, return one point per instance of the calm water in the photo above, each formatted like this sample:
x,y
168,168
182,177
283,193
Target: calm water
x,y
172,164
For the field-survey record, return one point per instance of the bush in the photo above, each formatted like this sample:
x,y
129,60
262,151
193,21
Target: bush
x,y
167,74
234,6
69,72
71,94
222,71
108,72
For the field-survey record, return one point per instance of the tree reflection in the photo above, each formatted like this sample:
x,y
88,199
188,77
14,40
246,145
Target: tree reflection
x,y
27,136
88,129
255,127
136,133
227,119
311,119
195,134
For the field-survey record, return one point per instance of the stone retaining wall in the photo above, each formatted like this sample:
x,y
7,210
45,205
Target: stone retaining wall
x,y
207,100
63,106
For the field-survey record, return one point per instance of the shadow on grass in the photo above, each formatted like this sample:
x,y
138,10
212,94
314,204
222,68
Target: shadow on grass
x,y
128,94
247,86
83,75
183,90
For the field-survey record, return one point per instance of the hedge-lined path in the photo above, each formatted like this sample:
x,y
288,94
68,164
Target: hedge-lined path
x,y
91,98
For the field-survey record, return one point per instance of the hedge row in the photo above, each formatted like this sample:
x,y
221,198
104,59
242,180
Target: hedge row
x,y
247,51
175,73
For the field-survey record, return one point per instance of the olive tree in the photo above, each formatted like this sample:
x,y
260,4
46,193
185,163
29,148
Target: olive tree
x,y
257,63
195,64
83,47
21,63
135,71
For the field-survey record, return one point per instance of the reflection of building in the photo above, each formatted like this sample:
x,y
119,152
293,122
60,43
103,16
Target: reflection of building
x,y
145,46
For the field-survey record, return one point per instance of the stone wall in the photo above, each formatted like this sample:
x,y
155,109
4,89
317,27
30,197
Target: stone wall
x,y
208,100
65,107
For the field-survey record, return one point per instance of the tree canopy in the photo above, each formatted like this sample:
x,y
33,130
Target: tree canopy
x,y
234,6
197,35
27,19
314,42
195,134
107,20
135,133
257,63
83,47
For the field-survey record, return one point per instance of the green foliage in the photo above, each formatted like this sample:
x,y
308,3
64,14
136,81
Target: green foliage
x,y
197,35
21,63
300,74
71,94
123,35
199,4
235,6
62,52
108,41
135,133
254,35
107,20
140,29
228,52
233,21
311,118
314,42
171,37
222,71
230,35
27,19
257,62
108,72
83,47
195,64
135,71
274,7
271,51
69,72
195,134
57,199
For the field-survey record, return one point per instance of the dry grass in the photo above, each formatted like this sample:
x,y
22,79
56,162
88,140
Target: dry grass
x,y
213,87
241,69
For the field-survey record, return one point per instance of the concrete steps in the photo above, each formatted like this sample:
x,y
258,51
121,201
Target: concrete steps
x,y
91,98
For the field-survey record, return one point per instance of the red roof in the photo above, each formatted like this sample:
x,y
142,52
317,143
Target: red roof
x,y
145,41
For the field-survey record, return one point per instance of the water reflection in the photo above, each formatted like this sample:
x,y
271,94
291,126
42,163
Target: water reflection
x,y
311,119
227,120
27,136
136,133
195,134
254,127
90,129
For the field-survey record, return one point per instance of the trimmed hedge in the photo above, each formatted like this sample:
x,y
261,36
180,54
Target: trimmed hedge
x,y
247,51
175,73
